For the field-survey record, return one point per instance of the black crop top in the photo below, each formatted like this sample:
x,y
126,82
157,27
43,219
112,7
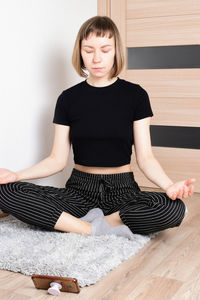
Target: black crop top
x,y
101,120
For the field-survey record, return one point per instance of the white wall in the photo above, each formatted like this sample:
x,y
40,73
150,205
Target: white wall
x,y
37,39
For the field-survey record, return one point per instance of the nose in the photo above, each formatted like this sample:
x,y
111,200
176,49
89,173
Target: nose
x,y
96,57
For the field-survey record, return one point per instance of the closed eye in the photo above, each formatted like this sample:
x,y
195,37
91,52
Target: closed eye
x,y
92,51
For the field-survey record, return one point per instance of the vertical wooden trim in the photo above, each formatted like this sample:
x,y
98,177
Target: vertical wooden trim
x,y
116,10
118,15
103,8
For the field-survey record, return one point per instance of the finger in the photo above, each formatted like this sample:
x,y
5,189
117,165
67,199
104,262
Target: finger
x,y
185,192
174,196
170,195
191,191
3,181
180,193
189,181
12,177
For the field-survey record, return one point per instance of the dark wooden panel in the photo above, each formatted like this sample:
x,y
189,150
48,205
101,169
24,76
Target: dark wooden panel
x,y
175,136
164,57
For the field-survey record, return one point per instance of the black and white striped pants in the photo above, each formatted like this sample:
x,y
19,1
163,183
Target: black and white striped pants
x,y
143,212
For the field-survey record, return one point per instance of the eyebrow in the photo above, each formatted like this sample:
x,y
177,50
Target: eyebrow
x,y
101,46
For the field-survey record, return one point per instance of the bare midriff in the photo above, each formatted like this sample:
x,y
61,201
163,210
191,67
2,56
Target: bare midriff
x,y
103,170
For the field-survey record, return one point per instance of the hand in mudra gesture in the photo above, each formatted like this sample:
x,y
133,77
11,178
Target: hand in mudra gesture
x,y
7,176
181,189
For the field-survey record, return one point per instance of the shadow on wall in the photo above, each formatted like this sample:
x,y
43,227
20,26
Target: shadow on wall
x,y
56,73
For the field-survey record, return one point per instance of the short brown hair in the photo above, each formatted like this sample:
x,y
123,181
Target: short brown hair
x,y
100,26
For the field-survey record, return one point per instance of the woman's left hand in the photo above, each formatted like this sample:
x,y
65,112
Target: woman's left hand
x,y
180,189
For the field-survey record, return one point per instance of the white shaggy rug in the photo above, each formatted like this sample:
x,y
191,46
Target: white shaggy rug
x,y
29,249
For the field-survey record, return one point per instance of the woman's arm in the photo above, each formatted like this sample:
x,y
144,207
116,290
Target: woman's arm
x,y
146,161
151,167
44,168
54,163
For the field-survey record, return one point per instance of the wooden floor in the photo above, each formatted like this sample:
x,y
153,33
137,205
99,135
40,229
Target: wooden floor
x,y
168,267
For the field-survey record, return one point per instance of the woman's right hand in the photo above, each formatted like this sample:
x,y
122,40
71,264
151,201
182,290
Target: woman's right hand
x,y
7,176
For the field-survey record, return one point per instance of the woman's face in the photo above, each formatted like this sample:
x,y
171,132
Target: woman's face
x,y
98,55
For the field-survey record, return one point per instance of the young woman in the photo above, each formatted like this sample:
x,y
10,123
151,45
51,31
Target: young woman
x,y
102,116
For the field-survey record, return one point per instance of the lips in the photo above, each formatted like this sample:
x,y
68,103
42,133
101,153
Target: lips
x,y
98,69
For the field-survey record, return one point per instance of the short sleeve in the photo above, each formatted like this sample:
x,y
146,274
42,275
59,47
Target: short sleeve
x,y
143,106
61,113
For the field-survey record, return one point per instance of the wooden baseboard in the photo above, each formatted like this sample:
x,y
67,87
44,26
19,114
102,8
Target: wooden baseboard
x,y
151,189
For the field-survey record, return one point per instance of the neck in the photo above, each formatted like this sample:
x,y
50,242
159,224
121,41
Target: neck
x,y
100,82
